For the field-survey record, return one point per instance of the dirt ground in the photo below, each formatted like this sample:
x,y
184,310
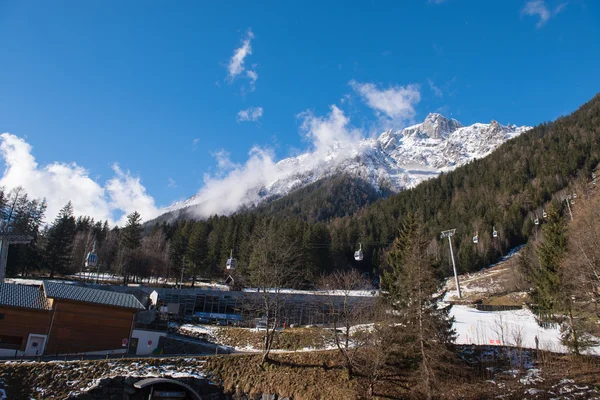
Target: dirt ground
x,y
480,373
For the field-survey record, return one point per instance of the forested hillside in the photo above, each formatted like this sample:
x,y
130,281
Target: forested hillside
x,y
505,190
337,196
326,221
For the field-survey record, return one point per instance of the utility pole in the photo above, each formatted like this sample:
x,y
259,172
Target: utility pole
x,y
449,234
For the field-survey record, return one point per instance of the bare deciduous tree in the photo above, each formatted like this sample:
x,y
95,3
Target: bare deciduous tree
x,y
275,264
347,306
583,261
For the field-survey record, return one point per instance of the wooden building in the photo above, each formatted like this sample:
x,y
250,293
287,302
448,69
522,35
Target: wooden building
x,y
88,320
25,316
65,318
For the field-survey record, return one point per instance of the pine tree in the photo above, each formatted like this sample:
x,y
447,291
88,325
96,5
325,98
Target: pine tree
x,y
132,233
131,240
60,241
197,250
28,220
552,291
178,247
547,293
413,289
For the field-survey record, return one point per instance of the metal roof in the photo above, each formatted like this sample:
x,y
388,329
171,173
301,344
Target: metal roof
x,y
59,291
16,295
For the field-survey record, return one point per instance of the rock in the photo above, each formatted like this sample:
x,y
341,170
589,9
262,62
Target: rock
x,y
266,396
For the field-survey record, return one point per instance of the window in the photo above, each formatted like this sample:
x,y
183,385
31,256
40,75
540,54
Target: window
x,y
1,316
10,342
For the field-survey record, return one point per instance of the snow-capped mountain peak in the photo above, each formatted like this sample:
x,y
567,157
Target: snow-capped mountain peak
x,y
395,160
436,126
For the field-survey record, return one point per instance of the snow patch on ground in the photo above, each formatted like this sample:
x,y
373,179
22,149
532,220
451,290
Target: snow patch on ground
x,y
36,282
350,293
140,369
194,330
506,328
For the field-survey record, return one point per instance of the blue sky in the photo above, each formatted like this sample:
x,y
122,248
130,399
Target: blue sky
x,y
154,85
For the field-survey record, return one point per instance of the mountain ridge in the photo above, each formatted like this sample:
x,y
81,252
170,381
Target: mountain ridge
x,y
394,161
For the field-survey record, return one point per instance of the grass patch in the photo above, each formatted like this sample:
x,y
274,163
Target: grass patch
x,y
289,339
302,376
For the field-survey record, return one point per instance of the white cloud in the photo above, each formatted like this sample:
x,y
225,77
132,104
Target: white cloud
x,y
235,185
236,64
253,76
63,182
396,102
172,183
224,161
436,90
127,194
559,8
250,114
329,131
540,9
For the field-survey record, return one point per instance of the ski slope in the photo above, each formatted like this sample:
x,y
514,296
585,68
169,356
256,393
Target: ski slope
x,y
507,328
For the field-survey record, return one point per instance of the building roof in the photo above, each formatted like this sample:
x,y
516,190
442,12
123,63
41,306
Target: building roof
x,y
25,296
61,291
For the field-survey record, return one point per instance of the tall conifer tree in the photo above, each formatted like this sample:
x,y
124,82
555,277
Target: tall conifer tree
x,y
60,241
413,292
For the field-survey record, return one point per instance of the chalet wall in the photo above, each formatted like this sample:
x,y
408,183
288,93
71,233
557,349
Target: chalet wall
x,y
85,327
23,321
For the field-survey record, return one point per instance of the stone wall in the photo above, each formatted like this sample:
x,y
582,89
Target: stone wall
x,y
122,388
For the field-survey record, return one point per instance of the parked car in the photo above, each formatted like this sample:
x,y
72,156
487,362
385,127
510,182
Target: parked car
x,y
222,322
204,320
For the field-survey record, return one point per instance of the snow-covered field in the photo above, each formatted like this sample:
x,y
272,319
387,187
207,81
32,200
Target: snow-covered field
x,y
350,293
35,282
505,328
500,328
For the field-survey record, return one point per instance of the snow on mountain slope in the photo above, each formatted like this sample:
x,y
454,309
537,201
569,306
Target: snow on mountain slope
x,y
395,160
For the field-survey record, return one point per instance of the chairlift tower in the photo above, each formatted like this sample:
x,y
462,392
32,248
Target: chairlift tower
x,y
569,200
8,237
449,233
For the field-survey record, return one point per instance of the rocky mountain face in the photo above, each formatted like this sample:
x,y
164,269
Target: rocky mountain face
x,y
394,161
